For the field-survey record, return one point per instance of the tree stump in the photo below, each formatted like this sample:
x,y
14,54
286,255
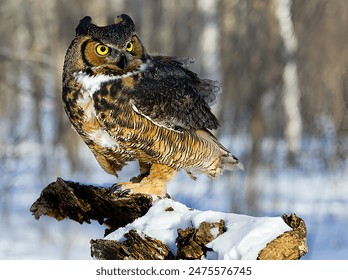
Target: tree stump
x,y
83,203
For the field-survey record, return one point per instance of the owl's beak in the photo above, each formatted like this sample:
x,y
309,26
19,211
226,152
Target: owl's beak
x,y
122,61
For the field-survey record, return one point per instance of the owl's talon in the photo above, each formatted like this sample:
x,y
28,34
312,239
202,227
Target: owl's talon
x,y
122,188
124,192
116,188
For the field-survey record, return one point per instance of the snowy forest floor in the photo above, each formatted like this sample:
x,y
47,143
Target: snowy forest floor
x,y
318,196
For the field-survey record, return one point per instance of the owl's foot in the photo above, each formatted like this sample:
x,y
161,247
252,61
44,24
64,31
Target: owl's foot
x,y
124,188
153,184
118,188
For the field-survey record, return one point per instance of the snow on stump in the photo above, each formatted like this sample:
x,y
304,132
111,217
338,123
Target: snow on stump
x,y
143,228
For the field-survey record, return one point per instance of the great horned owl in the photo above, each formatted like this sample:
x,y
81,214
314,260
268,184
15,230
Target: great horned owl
x,y
127,104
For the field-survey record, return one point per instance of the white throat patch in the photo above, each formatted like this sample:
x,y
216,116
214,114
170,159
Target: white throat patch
x,y
91,84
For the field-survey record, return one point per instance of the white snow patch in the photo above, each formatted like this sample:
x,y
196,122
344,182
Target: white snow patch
x,y
245,236
214,231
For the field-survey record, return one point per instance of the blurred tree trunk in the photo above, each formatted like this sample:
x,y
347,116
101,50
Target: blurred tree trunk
x,y
321,28
291,91
252,64
210,46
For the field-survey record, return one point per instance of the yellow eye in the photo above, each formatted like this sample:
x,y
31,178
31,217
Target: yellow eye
x,y
102,50
129,47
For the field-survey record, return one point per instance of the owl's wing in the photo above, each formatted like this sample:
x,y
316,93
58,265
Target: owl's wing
x,y
208,89
169,95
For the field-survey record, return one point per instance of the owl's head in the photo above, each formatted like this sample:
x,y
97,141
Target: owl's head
x,y
114,49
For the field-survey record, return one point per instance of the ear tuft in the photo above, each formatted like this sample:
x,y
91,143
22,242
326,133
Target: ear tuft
x,y
82,28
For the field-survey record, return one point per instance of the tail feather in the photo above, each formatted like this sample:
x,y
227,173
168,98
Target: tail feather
x,y
230,162
222,158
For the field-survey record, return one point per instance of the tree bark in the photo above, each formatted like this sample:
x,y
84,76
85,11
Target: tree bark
x,y
83,203
291,245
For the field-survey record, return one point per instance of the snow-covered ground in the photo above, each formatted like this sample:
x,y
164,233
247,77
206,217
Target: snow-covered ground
x,y
244,238
317,195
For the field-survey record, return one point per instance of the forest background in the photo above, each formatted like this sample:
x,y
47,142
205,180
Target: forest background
x,y
283,68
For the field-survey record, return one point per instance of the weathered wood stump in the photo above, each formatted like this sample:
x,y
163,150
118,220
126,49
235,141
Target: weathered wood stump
x,y
83,203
